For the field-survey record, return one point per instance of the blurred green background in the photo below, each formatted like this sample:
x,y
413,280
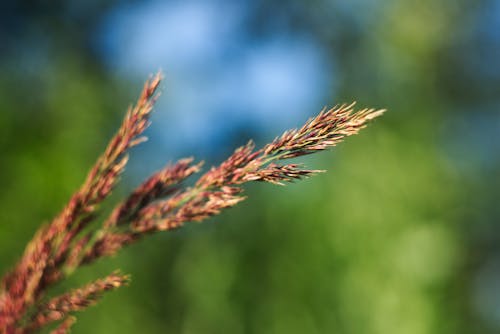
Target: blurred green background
x,y
400,236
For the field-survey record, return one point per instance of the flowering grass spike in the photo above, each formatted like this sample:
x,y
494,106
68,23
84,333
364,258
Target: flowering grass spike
x,y
160,203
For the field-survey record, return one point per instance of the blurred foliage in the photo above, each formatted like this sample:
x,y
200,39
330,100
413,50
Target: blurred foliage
x,y
393,239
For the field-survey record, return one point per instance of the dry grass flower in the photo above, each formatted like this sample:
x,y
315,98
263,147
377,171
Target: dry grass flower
x,y
160,203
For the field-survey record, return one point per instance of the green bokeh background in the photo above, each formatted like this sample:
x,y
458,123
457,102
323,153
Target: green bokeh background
x,y
393,239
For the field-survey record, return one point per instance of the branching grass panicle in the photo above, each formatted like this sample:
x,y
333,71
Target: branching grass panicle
x,y
160,203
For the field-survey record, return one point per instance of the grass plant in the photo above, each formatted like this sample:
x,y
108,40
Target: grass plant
x,y
80,234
